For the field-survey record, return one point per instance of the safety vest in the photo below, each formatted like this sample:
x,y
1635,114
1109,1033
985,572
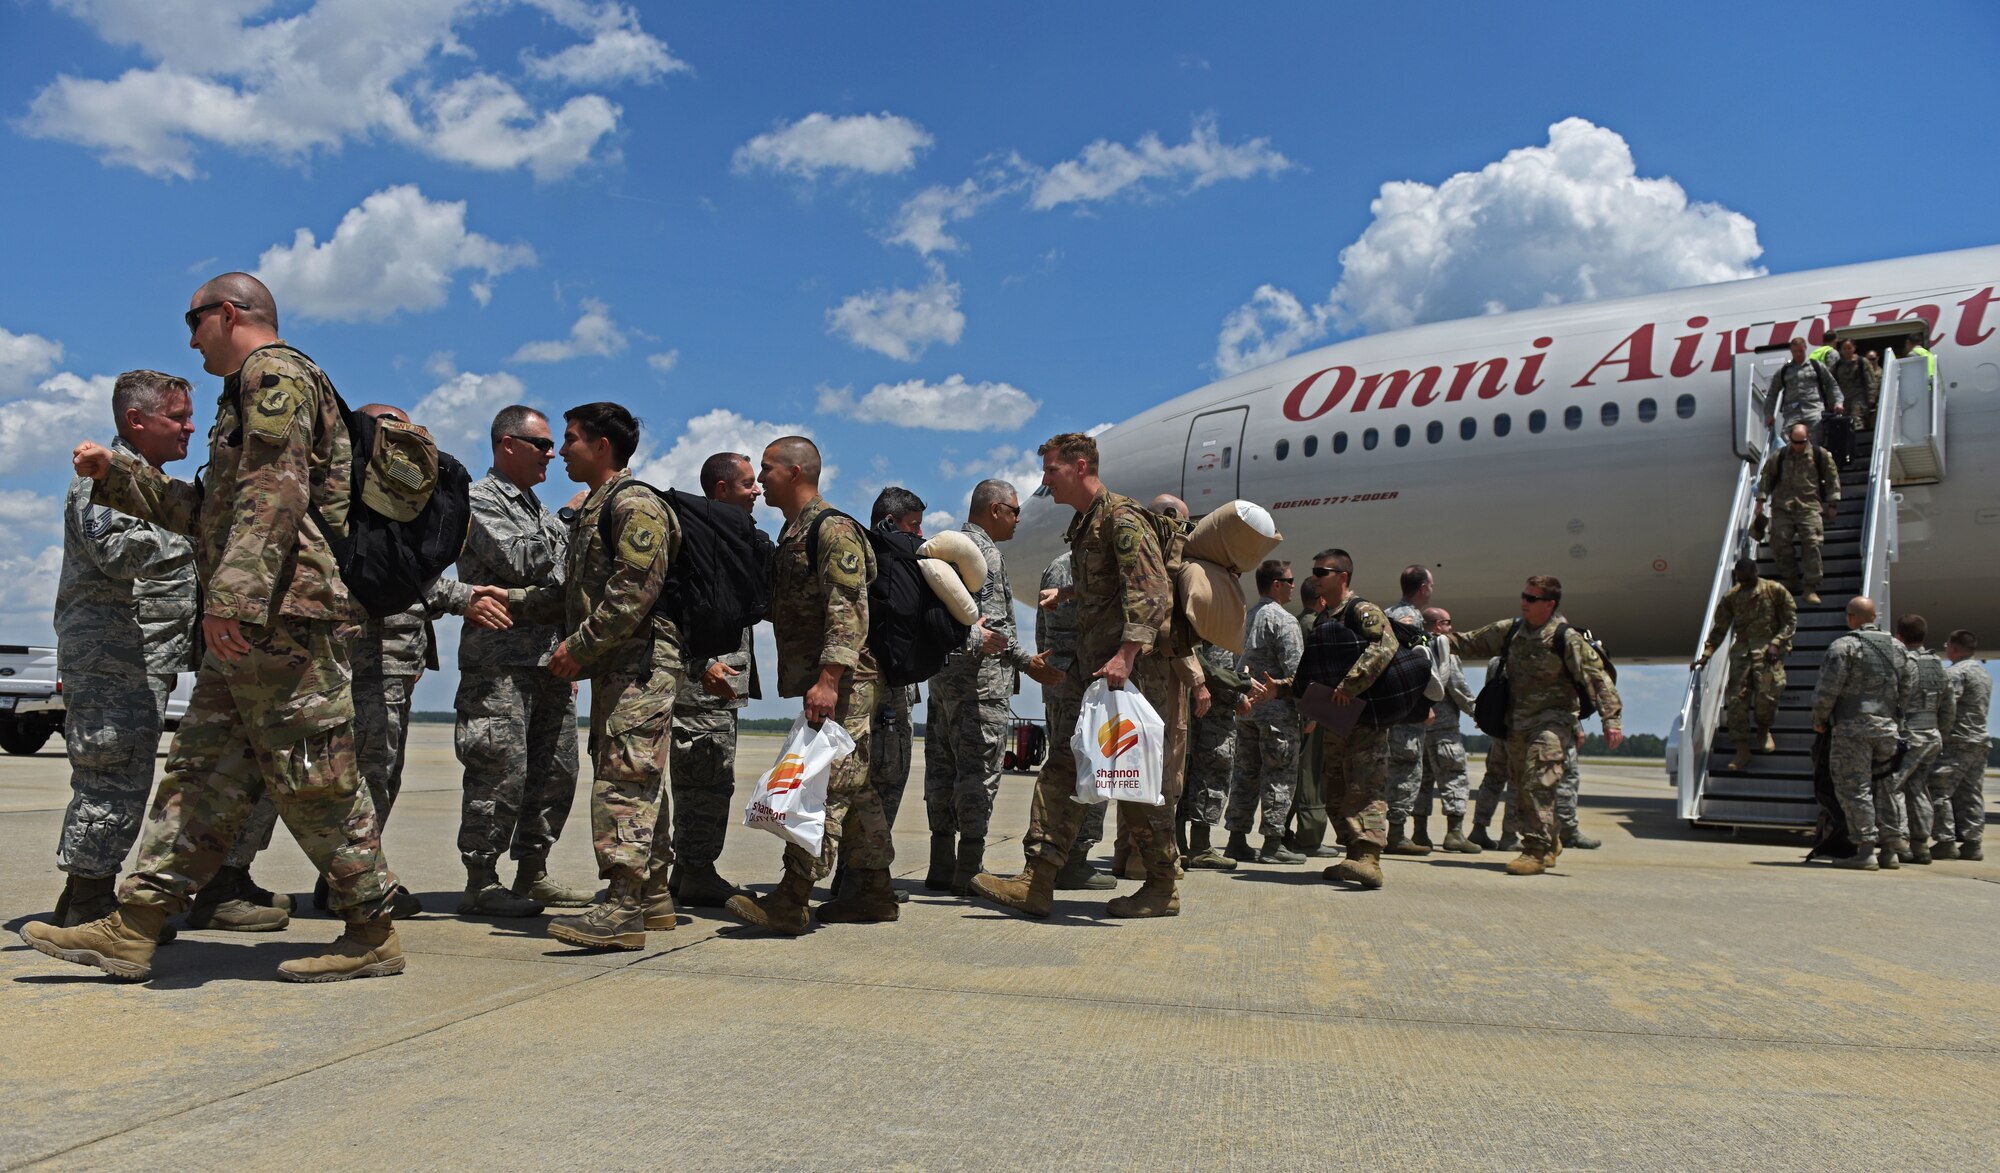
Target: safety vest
x,y
1819,353
1930,361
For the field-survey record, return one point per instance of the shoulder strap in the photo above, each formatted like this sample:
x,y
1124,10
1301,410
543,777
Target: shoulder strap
x,y
604,518
1513,629
812,536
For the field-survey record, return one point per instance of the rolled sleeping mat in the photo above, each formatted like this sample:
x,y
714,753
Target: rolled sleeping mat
x,y
1237,536
1212,599
963,553
945,581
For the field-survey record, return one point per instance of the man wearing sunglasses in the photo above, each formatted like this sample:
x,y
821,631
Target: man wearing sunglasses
x,y
273,709
1802,484
1543,707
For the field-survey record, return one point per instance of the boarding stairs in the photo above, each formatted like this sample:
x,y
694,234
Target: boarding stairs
x,y
1905,446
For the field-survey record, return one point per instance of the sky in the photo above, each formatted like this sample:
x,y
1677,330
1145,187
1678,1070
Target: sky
x,y
928,236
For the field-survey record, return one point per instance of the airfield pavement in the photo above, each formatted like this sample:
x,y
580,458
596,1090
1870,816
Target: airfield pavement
x,y
1679,998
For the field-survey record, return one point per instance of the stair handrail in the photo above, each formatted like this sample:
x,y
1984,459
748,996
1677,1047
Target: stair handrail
x,y
1879,537
1701,704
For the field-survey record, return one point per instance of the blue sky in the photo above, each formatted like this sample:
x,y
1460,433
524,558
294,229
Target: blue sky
x,y
703,209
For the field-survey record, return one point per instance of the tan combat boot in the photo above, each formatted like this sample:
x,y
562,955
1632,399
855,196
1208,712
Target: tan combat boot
x,y
657,899
1032,892
1154,898
367,948
1528,863
869,899
121,944
1740,760
486,896
1400,842
784,910
1362,866
618,923
531,879
1455,840
1767,743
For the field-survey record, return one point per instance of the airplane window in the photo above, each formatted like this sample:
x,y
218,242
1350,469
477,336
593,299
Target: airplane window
x,y
1402,435
1227,452
1502,424
1339,443
1572,418
1368,439
1537,420
1647,410
1434,431
1312,445
1609,414
1284,449
1468,428
1684,407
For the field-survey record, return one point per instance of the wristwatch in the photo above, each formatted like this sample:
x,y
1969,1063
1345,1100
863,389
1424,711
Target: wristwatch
x,y
567,513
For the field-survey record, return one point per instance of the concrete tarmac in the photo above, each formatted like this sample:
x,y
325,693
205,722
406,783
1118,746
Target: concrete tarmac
x,y
1675,999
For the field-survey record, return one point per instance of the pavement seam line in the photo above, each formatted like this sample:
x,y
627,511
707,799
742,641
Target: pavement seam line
x,y
1329,1014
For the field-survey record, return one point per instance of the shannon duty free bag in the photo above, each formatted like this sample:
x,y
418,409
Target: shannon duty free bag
x,y
789,801
1120,745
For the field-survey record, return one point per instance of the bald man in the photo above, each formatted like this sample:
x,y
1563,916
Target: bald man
x,y
273,705
1863,686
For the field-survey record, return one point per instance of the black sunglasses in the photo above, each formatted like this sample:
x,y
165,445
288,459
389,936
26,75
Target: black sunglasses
x,y
541,443
1319,571
193,316
1528,598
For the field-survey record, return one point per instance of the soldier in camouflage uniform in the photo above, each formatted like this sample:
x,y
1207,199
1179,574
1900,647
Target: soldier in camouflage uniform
x,y
1445,777
703,774
1542,711
891,732
1211,756
125,608
1355,773
1803,390
1957,785
272,709
1055,636
515,731
1765,619
1266,768
1406,741
622,543
1307,832
1864,687
1124,599
819,614
1803,487
1860,385
1931,708
970,712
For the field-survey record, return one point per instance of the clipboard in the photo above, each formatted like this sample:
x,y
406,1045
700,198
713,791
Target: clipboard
x,y
1318,707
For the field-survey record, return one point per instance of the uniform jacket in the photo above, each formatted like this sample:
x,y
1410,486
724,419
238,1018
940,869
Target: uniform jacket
x,y
1457,698
1972,693
695,699
820,612
125,605
258,552
1797,485
606,599
1803,391
1123,593
971,668
513,542
1764,616
1272,644
1931,703
1863,685
1542,678
1055,628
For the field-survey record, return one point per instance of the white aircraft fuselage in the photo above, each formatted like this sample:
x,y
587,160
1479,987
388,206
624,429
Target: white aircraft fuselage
x,y
1595,442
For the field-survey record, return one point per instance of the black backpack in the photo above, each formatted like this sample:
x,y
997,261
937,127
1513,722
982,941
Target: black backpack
x,y
1397,696
910,630
720,580
387,562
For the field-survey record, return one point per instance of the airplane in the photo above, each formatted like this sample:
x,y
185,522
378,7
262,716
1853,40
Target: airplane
x,y
1600,442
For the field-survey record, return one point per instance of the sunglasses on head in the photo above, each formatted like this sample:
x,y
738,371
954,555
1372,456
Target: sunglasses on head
x,y
541,443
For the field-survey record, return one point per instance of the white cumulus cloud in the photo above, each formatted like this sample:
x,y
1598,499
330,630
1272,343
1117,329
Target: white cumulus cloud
x,y
459,412
1569,221
396,251
873,144
664,361
40,428
25,358
593,334
1105,169
901,323
28,594
306,81
720,430
951,406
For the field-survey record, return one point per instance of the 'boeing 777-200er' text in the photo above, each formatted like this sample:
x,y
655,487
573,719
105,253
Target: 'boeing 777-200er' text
x,y
1600,442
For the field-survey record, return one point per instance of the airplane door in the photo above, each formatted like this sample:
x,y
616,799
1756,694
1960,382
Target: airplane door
x,y
1752,401
1213,464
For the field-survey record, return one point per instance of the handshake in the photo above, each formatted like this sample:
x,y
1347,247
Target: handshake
x,y
488,608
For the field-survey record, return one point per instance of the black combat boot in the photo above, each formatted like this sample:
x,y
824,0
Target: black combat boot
x,y
944,856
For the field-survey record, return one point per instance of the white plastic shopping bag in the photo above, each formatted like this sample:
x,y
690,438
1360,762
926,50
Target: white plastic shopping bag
x,y
1121,747
789,801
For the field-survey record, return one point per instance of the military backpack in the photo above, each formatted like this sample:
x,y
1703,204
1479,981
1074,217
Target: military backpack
x,y
719,582
910,629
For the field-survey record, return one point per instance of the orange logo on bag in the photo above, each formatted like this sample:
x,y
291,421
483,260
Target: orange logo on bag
x,y
1116,736
787,774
